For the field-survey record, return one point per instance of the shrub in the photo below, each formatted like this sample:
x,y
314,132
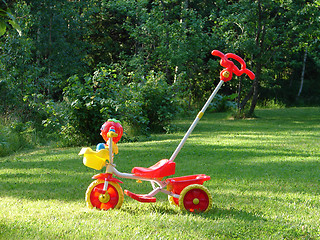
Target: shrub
x,y
6,97
142,106
16,136
85,99
223,103
158,102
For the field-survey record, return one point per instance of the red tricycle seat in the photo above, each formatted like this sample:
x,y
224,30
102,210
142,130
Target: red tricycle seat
x,y
161,169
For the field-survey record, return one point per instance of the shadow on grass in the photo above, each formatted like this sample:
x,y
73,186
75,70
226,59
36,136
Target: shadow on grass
x,y
60,174
213,214
64,178
218,213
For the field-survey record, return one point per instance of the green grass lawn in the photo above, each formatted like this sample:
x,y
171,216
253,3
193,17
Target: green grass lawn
x,y
265,178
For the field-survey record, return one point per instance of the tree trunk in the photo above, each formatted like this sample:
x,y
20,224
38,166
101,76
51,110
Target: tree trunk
x,y
302,73
246,99
255,90
261,31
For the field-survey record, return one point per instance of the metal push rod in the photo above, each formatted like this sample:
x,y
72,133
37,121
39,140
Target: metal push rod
x,y
196,120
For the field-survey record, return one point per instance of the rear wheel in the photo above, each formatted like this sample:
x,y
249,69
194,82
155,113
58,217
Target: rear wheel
x,y
195,198
104,200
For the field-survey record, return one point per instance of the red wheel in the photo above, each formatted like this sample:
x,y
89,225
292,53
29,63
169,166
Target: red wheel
x,y
96,198
195,197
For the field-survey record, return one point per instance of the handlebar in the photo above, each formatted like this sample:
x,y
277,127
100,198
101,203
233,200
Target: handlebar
x,y
230,67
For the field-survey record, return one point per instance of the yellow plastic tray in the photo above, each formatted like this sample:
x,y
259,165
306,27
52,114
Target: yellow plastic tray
x,y
93,159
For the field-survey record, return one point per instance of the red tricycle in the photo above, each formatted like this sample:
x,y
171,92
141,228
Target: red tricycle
x,y
187,192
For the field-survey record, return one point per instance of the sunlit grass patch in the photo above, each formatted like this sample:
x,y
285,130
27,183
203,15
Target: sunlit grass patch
x,y
265,179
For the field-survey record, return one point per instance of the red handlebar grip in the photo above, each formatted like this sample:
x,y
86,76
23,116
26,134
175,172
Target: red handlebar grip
x,y
230,67
217,53
250,74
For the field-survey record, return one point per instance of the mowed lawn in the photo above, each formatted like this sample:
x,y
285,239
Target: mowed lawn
x,y
265,179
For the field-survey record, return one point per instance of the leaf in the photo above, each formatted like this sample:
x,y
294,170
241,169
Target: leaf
x,y
16,26
2,27
10,15
3,13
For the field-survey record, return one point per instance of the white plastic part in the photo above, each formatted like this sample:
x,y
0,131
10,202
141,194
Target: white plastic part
x,y
110,150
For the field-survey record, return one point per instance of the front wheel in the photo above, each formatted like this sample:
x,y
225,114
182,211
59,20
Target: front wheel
x,y
104,200
195,198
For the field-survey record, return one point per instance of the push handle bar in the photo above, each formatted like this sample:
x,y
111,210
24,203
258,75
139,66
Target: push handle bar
x,y
225,75
230,67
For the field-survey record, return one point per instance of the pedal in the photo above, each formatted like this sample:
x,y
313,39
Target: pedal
x,y
140,197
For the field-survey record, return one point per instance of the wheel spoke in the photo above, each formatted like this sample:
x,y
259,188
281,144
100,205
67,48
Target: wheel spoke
x,y
95,192
188,203
104,206
112,191
95,196
113,201
203,205
195,193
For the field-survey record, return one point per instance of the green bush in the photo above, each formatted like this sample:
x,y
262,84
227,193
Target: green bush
x,y
158,102
223,103
6,97
142,106
15,137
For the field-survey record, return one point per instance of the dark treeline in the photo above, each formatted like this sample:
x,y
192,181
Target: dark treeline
x,y
79,62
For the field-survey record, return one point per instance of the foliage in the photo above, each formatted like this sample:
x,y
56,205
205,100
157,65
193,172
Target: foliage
x,y
269,26
6,97
52,74
98,97
222,103
15,137
157,101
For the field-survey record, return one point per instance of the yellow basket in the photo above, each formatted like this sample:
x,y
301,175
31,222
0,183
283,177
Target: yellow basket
x,y
93,159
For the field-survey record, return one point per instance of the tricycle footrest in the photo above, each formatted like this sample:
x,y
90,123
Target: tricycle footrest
x,y
140,197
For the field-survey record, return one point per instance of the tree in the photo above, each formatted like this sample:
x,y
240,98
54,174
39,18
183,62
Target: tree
x,y
260,31
306,33
168,38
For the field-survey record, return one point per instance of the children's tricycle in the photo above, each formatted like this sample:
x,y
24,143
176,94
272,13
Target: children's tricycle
x,y
187,192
